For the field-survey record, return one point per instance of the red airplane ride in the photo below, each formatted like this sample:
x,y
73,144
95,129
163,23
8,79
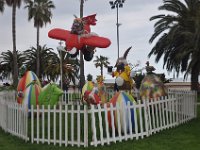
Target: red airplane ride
x,y
80,37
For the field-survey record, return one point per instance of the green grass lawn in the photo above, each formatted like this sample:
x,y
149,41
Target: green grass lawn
x,y
183,137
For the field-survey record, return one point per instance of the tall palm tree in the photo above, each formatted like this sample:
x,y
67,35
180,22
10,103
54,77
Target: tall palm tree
x,y
14,4
82,71
2,3
45,55
178,36
40,12
7,63
101,62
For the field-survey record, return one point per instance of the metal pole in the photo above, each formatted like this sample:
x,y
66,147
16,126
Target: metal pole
x,y
117,31
60,49
61,70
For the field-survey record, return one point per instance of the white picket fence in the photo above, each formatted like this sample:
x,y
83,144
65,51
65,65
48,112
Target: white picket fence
x,y
82,125
71,97
13,119
149,117
183,97
66,125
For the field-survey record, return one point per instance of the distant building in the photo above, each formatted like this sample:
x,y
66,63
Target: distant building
x,y
179,83
109,83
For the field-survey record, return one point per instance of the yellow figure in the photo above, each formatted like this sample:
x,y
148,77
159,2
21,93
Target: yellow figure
x,y
101,89
122,73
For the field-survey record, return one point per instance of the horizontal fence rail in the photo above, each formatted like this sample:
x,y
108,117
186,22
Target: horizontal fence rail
x,y
72,124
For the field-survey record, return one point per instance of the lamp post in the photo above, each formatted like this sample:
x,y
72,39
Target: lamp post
x,y
60,48
117,4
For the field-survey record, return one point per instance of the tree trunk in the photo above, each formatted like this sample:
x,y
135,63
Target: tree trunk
x,y
2,3
102,71
194,78
38,55
15,65
195,68
82,75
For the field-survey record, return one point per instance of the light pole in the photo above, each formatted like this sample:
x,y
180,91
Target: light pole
x,y
60,48
117,4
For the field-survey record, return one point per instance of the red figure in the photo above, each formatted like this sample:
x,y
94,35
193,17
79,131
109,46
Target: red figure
x,y
80,37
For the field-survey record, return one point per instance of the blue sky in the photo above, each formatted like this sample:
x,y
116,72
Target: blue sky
x,y
135,31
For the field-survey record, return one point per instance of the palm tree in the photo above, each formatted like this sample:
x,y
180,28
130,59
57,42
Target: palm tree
x,y
2,2
70,68
40,12
45,55
178,36
82,74
101,62
7,63
14,4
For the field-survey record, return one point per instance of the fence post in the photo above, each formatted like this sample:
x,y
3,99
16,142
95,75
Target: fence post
x,y
60,125
106,123
85,126
100,124
6,117
37,123
94,132
78,125
26,111
147,120
32,124
177,112
195,104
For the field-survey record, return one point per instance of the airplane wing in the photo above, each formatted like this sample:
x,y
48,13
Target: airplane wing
x,y
58,34
97,41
